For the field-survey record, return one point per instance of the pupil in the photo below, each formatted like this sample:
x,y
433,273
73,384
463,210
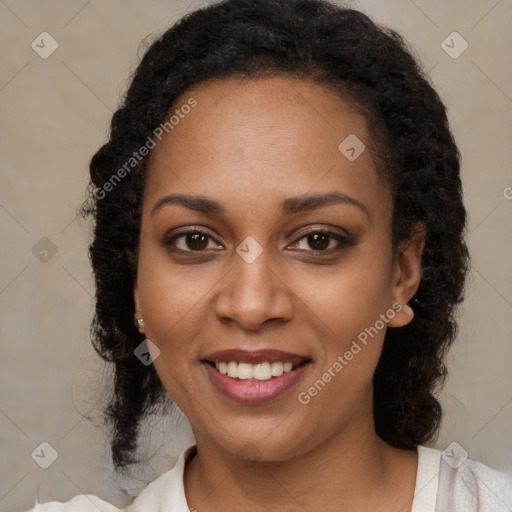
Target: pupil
x,y
318,241
197,241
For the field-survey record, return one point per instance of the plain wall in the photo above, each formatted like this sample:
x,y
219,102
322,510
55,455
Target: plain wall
x,y
55,114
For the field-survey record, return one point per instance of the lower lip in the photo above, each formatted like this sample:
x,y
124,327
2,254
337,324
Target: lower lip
x,y
253,391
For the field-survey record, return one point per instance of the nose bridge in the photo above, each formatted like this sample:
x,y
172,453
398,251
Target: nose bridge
x,y
252,292
253,278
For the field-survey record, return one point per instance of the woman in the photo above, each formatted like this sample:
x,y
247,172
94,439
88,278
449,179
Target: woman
x,y
279,248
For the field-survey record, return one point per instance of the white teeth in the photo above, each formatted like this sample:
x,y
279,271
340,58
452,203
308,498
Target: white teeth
x,y
232,369
262,371
247,371
276,368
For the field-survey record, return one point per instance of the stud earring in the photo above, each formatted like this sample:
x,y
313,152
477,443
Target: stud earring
x,y
139,323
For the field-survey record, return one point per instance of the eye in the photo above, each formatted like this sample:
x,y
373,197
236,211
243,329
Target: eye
x,y
322,241
192,240
195,240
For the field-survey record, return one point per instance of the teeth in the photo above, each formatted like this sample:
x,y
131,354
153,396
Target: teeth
x,y
276,368
247,371
232,369
262,371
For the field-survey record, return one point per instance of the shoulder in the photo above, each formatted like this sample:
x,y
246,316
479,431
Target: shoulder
x,y
81,503
475,486
148,500
467,485
164,493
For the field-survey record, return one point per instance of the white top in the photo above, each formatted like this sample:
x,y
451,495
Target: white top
x,y
443,484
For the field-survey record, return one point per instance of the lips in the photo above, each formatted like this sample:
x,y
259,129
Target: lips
x,y
254,377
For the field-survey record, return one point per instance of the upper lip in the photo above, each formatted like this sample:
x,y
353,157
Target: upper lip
x,y
256,356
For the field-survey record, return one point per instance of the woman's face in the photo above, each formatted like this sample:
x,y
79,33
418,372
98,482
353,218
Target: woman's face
x,y
287,261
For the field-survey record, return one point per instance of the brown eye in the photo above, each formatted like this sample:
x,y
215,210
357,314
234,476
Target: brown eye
x,y
322,241
196,241
319,241
191,241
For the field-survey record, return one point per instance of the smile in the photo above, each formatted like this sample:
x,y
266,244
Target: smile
x,y
255,377
248,371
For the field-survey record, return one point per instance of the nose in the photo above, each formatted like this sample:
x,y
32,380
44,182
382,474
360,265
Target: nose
x,y
253,294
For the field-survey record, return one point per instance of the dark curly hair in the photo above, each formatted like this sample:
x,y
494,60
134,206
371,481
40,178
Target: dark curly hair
x,y
411,140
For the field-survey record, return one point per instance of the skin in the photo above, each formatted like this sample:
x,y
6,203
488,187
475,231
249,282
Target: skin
x,y
249,145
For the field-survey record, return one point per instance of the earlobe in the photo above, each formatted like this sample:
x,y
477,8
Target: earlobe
x,y
407,275
404,316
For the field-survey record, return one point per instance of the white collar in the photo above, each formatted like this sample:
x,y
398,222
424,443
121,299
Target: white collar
x,y
167,492
427,480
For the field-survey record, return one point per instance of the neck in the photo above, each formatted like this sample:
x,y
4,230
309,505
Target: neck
x,y
353,470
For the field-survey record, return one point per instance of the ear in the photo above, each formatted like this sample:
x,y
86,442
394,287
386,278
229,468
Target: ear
x,y
407,274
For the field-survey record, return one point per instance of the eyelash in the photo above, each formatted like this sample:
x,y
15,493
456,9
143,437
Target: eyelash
x,y
342,240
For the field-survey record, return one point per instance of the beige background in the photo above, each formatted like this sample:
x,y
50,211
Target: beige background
x,y
55,114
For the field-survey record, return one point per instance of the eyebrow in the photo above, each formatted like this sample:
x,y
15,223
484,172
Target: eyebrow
x,y
288,206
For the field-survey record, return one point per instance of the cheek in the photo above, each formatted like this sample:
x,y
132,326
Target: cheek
x,y
351,297
168,292
346,315
345,310
173,304
170,301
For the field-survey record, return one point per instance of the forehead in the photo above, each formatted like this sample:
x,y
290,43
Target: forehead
x,y
253,140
